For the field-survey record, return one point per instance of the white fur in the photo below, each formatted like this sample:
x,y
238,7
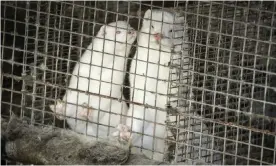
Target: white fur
x,y
144,89
99,77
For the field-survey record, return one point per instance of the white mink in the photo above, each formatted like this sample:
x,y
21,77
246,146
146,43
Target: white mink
x,y
149,79
99,71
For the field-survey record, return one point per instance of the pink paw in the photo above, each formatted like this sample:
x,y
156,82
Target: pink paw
x,y
123,132
83,111
58,109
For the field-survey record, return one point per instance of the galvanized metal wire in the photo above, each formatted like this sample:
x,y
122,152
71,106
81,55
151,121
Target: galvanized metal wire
x,y
226,78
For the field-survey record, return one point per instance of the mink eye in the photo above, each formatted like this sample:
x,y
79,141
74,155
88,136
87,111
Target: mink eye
x,y
118,32
170,30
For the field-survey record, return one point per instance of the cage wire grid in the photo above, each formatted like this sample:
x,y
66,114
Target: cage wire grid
x,y
226,78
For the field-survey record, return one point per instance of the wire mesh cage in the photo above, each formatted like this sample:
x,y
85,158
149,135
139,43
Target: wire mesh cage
x,y
224,82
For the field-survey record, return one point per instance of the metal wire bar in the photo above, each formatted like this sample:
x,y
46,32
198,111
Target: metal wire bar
x,y
149,106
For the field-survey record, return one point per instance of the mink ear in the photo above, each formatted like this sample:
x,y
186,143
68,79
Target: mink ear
x,y
148,14
102,31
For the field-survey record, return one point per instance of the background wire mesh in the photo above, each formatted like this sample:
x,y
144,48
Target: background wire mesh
x,y
232,73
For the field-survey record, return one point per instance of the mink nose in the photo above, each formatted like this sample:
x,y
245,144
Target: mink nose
x,y
131,32
158,36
